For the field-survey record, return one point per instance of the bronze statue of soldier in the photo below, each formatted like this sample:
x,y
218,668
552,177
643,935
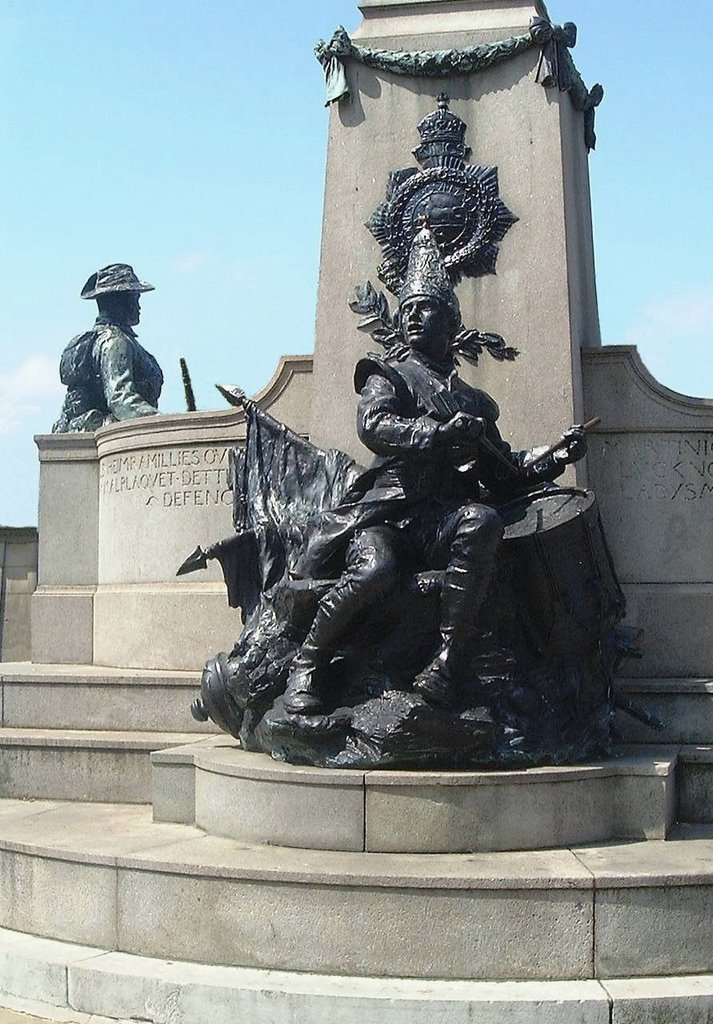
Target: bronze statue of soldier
x,y
442,469
109,375
448,606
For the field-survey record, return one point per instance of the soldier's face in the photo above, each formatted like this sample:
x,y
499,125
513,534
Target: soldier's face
x,y
426,326
133,308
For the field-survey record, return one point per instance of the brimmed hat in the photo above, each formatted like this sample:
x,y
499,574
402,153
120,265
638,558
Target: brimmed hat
x,y
117,277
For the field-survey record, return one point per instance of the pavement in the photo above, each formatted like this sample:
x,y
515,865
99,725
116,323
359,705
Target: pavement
x,y
64,1017
10,1017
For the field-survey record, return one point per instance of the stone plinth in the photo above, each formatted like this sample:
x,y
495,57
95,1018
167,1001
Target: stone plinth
x,y
543,299
651,465
119,512
62,605
249,798
416,17
18,579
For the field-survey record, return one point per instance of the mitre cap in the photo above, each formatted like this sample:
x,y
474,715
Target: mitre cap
x,y
426,275
117,277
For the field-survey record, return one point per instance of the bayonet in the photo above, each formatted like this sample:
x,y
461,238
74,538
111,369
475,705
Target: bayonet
x,y
198,559
234,395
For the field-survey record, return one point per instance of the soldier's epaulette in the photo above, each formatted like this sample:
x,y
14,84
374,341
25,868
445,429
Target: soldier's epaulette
x,y
373,364
490,408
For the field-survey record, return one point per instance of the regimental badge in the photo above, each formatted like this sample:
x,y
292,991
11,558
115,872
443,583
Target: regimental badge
x,y
460,202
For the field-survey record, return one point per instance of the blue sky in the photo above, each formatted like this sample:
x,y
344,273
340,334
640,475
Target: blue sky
x,y
189,139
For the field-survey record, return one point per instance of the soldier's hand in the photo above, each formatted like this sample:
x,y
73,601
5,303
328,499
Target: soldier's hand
x,y
573,445
461,431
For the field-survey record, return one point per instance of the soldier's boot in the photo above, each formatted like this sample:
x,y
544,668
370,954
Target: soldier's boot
x,y
368,578
302,694
461,597
465,587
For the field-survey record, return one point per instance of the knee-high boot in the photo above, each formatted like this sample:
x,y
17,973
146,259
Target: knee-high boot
x,y
465,586
369,576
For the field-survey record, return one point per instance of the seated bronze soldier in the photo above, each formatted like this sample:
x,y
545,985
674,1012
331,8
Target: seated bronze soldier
x,y
442,469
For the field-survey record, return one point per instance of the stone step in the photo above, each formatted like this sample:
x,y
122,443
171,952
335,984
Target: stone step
x,y
245,796
695,785
680,831
90,765
685,707
122,882
91,697
91,985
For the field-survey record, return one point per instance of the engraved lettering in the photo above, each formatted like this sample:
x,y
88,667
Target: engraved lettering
x,y
177,478
655,468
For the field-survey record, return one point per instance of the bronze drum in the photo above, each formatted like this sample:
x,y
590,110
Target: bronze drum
x,y
566,588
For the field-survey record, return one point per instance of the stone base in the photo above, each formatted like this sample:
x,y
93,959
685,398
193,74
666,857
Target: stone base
x,y
169,891
60,981
139,626
684,707
158,921
63,625
695,785
252,799
18,579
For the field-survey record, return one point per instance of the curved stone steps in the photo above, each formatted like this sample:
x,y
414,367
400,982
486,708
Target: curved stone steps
x,y
85,985
34,696
684,706
105,875
81,764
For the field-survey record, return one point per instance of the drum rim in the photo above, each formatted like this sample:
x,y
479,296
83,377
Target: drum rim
x,y
526,501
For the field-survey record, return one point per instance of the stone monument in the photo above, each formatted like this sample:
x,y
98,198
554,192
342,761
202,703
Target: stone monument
x,y
254,889
522,116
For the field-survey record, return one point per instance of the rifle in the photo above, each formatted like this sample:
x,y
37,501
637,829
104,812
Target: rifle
x,y
187,386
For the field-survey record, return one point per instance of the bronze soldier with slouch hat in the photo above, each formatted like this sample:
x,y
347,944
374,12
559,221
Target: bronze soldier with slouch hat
x,y
109,375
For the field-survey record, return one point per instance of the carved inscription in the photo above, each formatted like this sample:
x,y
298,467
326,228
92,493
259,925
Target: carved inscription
x,y
177,478
670,467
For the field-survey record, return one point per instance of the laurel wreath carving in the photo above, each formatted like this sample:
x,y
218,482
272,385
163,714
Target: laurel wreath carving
x,y
382,325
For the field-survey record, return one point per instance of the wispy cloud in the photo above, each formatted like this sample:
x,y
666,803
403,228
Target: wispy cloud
x,y
189,262
679,315
674,335
25,388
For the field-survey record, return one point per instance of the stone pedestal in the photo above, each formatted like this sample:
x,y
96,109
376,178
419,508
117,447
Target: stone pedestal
x,y
119,512
18,579
252,799
543,299
651,465
62,605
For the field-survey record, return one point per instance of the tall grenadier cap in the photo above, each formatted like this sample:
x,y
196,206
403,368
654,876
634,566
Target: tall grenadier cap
x,y
117,277
427,275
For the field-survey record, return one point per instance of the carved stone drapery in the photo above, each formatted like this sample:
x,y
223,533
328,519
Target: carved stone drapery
x,y
556,68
